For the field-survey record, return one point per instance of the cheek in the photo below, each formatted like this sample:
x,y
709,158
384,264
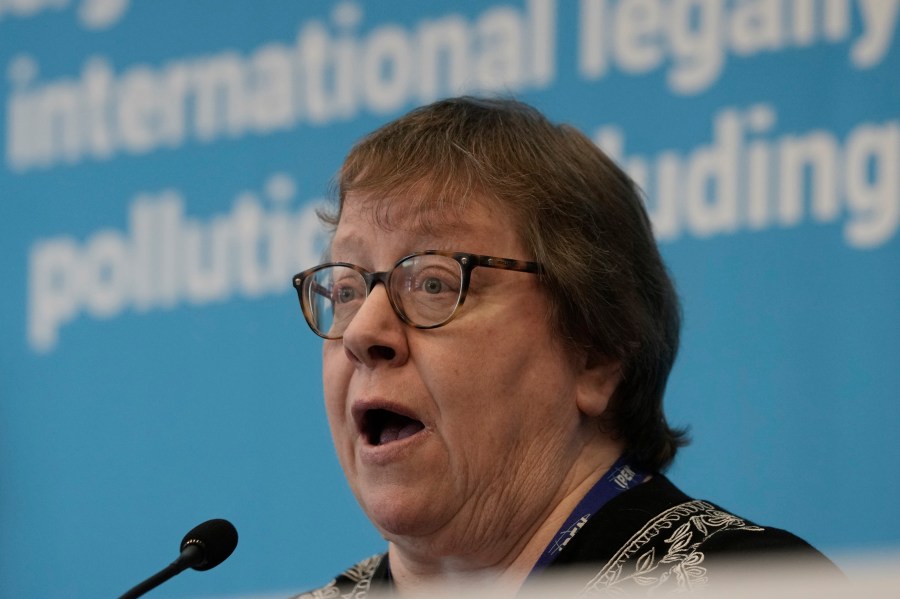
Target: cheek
x,y
526,376
336,372
499,383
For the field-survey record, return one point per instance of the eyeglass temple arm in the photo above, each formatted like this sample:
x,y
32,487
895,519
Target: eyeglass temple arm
x,y
507,264
315,287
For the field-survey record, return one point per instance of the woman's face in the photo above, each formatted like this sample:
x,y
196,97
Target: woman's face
x,y
461,434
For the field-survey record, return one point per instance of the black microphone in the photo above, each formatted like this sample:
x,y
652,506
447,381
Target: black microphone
x,y
206,546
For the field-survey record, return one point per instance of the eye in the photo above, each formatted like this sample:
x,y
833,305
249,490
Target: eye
x,y
344,294
427,278
348,287
434,280
432,285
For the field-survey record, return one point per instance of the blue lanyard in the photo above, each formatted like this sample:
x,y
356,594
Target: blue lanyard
x,y
619,478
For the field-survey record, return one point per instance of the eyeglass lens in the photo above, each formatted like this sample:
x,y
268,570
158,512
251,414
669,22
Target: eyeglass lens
x,y
423,289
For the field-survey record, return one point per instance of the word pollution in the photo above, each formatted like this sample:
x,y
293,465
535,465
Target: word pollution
x,y
166,259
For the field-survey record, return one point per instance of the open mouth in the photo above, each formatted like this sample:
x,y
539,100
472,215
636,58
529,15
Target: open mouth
x,y
384,426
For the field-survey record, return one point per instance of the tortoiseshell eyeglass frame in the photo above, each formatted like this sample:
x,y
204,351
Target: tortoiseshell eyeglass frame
x,y
467,262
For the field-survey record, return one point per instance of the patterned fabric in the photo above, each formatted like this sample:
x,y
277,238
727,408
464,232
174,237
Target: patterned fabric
x,y
651,540
353,583
679,565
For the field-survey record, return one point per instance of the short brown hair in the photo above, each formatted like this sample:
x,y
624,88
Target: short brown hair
x,y
578,213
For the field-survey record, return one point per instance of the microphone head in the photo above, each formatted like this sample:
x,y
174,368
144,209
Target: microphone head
x,y
216,540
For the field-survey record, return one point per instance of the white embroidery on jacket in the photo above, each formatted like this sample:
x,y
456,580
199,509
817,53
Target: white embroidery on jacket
x,y
359,574
680,568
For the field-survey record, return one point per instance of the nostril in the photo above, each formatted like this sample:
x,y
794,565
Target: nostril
x,y
382,352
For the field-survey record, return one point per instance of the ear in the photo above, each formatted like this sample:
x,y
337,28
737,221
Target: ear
x,y
598,380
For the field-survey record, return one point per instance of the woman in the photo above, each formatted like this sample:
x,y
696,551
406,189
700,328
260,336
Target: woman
x,y
499,329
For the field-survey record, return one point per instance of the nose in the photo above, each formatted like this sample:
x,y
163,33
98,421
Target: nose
x,y
376,335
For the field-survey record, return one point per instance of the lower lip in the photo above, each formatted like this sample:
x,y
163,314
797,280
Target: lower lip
x,y
380,455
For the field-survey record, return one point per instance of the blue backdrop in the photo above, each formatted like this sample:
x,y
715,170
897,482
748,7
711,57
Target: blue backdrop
x,y
161,163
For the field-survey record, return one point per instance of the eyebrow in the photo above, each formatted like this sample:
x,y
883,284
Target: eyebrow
x,y
417,241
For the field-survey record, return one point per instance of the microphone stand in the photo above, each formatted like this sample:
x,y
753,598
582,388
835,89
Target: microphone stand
x,y
189,556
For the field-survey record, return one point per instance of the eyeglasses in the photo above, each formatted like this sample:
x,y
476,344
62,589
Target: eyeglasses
x,y
425,289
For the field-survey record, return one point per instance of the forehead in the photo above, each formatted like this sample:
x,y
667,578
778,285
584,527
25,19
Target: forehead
x,y
477,223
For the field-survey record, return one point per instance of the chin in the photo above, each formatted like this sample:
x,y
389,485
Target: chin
x,y
399,513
